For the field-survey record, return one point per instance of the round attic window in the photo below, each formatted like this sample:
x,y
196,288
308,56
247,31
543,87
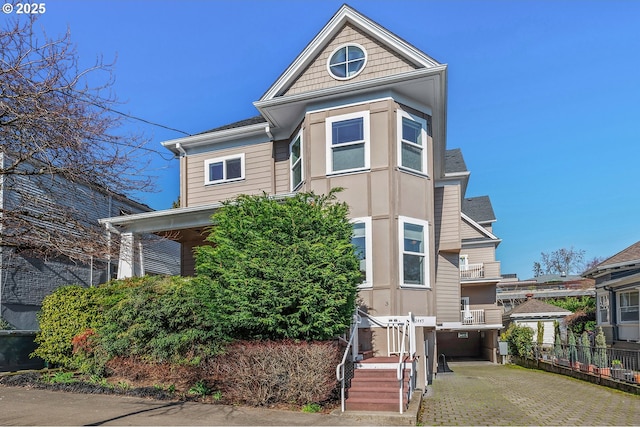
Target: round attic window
x,y
347,61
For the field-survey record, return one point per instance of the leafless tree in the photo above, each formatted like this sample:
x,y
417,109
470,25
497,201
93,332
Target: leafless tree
x,y
62,153
561,261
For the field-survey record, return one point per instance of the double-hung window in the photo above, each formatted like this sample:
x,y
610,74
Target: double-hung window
x,y
295,162
361,240
412,142
224,169
629,306
414,244
603,308
347,143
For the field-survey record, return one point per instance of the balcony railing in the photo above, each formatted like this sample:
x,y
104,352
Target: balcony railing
x,y
472,271
472,317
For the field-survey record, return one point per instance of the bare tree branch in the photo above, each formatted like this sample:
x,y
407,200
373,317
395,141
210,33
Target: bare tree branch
x,y
63,157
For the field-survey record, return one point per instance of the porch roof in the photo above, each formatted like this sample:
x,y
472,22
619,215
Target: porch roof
x,y
168,219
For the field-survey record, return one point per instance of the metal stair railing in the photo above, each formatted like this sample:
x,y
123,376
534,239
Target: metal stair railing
x,y
351,345
400,341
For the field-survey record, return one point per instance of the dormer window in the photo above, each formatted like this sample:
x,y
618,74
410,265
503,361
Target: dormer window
x,y
347,61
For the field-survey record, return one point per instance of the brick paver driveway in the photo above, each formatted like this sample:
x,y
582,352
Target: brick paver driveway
x,y
487,394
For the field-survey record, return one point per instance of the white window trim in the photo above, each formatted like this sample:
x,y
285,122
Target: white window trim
x,y
364,64
619,308
403,114
366,220
425,224
224,160
329,140
301,160
606,296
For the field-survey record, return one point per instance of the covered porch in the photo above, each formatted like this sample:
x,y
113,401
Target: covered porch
x,y
188,226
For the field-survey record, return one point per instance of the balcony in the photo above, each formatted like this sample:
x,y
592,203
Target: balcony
x,y
472,317
472,271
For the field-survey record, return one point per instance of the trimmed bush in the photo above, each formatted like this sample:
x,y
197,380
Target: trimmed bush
x,y
164,319
71,311
281,269
260,373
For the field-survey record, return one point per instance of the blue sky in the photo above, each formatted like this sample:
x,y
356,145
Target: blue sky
x,y
544,96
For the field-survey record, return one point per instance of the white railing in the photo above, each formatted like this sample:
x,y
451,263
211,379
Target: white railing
x,y
406,331
352,345
472,271
472,317
401,341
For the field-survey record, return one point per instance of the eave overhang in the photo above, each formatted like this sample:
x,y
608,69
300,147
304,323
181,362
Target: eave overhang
x,y
169,219
549,315
210,138
627,281
480,228
604,269
426,87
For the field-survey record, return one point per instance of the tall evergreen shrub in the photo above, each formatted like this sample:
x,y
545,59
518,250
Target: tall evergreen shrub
x,y
281,269
600,358
586,348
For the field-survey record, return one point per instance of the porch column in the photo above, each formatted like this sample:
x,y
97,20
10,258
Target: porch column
x,y
126,259
131,261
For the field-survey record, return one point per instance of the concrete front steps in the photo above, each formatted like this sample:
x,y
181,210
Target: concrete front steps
x,y
375,385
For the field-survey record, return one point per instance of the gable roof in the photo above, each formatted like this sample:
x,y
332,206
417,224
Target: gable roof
x,y
630,254
346,14
479,209
625,259
537,307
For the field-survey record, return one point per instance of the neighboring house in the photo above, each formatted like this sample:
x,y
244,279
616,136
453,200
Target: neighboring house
x,y
618,297
361,109
511,293
26,276
532,311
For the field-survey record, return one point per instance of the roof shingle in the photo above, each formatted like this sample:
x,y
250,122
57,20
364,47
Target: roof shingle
x,y
453,161
478,209
632,253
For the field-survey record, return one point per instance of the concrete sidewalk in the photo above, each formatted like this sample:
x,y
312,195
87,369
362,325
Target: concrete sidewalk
x,y
488,394
24,406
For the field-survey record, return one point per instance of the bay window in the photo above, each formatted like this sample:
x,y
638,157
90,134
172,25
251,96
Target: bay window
x,y
295,161
412,142
363,243
414,243
347,143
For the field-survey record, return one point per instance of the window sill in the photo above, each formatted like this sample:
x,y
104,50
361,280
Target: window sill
x,y
207,184
425,287
412,172
348,172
